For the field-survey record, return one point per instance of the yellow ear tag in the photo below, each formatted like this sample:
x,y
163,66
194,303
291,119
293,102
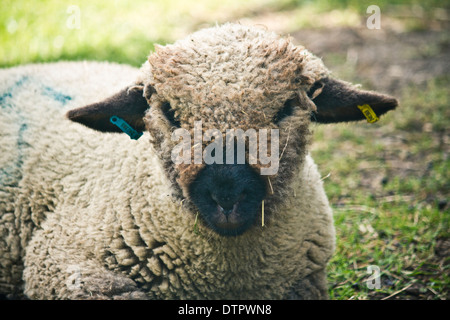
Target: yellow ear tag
x,y
369,113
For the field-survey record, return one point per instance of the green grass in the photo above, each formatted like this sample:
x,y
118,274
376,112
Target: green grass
x,y
388,181
390,198
125,31
121,31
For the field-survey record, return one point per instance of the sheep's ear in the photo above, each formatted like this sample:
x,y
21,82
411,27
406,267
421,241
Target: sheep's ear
x,y
339,101
128,104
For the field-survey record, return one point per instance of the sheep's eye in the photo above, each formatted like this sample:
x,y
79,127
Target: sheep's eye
x,y
286,111
315,90
170,115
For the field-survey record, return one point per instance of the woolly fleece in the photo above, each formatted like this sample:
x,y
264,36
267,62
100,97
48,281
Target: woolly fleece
x,y
93,215
109,212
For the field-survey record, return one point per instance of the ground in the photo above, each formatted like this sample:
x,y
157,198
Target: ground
x,y
411,146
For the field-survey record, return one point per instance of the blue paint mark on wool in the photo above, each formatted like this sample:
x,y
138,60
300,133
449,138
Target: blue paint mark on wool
x,y
11,174
47,91
57,96
4,97
21,144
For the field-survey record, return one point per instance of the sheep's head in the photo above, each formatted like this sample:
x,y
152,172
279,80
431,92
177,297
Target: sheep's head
x,y
196,96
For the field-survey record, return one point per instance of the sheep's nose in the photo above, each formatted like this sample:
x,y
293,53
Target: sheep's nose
x,y
226,212
226,203
227,197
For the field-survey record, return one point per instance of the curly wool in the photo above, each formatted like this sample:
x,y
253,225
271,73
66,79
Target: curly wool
x,y
81,209
245,78
246,75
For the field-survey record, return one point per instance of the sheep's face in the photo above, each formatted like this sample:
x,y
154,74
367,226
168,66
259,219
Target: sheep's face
x,y
197,95
213,87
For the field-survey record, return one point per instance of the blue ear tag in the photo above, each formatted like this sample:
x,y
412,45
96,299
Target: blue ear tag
x,y
125,127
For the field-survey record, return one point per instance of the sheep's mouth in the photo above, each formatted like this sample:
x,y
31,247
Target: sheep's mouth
x,y
228,222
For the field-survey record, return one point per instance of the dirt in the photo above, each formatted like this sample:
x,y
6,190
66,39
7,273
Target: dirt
x,y
418,289
386,60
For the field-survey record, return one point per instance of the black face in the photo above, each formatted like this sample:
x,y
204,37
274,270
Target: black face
x,y
228,197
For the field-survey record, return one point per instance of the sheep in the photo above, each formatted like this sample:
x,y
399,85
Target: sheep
x,y
88,213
